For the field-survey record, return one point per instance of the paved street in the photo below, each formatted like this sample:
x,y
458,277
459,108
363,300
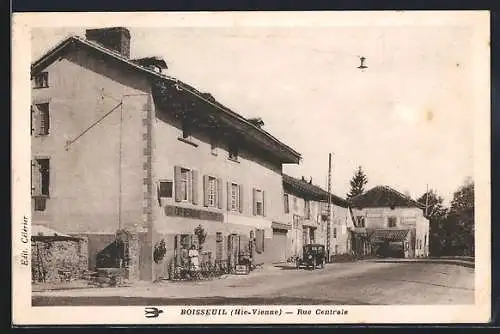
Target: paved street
x,y
359,283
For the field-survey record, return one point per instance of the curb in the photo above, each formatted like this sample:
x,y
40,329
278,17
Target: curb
x,y
467,264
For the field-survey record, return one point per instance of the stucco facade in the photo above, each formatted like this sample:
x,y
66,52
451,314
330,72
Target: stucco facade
x,y
306,208
116,157
399,218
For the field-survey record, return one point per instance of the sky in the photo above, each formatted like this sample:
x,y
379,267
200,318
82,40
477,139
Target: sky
x,y
407,119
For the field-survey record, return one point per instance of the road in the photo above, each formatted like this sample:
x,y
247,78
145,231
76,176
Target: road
x,y
359,283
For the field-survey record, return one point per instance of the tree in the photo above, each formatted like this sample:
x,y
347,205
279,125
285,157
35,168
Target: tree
x,y
200,233
437,214
358,182
462,219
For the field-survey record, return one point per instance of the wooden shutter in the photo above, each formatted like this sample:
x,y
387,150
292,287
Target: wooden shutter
x,y
35,112
241,195
229,196
263,204
36,178
219,193
33,119
205,190
259,240
254,200
194,187
178,184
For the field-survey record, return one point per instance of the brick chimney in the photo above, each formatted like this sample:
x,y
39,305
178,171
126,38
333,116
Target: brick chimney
x,y
116,39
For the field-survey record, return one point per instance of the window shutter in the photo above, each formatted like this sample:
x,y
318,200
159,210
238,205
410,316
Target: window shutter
x,y
33,122
263,203
35,112
254,201
240,195
229,196
178,185
205,190
194,187
35,178
219,193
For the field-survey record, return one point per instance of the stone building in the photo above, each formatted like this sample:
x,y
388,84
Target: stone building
x,y
306,207
394,223
117,144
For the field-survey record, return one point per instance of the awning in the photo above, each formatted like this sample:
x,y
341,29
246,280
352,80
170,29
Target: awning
x,y
389,235
281,226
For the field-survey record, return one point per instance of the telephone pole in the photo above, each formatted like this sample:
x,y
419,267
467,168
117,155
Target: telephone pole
x,y
328,227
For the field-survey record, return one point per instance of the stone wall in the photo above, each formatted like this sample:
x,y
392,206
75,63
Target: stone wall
x,y
50,256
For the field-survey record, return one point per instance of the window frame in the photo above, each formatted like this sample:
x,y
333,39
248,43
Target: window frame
x,y
163,181
212,196
286,203
235,197
43,172
41,80
187,184
257,202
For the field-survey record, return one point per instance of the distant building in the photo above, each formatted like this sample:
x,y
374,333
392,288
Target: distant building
x,y
118,144
306,207
393,223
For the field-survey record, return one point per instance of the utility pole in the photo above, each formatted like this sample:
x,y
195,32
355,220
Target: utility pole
x,y
328,227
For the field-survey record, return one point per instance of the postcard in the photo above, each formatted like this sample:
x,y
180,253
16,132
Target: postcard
x,y
251,168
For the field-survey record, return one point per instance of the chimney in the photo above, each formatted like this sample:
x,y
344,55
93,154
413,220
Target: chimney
x,y
116,39
303,179
310,180
257,121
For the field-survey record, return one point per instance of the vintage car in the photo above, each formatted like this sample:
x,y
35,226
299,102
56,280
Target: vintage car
x,y
313,256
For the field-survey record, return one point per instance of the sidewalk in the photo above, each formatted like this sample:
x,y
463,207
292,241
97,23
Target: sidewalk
x,y
263,281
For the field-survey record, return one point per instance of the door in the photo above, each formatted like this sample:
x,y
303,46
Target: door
x,y
277,249
233,247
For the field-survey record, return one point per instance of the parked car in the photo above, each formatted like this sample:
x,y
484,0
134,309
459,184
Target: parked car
x,y
313,256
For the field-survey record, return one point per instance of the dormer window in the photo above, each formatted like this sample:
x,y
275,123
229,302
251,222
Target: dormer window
x,y
233,152
41,80
186,129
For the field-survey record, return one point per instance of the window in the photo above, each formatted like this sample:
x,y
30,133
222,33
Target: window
x,y
425,241
336,249
40,182
41,80
211,189
259,204
186,128
40,119
233,151
165,189
213,145
335,232
307,209
185,183
391,222
234,197
295,205
286,203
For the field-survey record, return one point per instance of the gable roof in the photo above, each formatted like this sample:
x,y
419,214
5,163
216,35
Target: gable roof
x,y
383,196
285,152
308,190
